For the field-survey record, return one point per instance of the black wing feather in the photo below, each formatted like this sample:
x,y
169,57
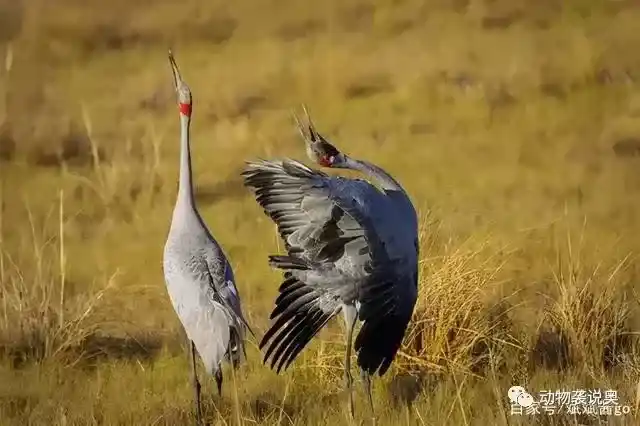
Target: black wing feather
x,y
300,318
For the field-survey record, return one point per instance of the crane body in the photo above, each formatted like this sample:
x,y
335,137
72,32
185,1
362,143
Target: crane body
x,y
352,247
199,278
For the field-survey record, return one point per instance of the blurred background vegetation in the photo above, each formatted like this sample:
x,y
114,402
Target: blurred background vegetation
x,y
514,125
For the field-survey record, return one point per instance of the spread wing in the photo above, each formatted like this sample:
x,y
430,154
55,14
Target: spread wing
x,y
334,256
301,203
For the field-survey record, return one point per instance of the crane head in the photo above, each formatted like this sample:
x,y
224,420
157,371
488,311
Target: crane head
x,y
318,148
182,90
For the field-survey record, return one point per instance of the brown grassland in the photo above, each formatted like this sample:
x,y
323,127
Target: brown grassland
x,y
514,125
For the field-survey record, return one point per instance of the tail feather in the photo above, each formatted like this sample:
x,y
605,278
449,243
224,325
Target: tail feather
x,y
378,343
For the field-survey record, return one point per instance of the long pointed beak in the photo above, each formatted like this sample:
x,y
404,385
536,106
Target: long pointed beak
x,y
310,126
299,125
177,79
312,136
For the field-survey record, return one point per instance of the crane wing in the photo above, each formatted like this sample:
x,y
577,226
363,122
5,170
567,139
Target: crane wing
x,y
301,312
295,198
219,275
206,319
328,225
210,330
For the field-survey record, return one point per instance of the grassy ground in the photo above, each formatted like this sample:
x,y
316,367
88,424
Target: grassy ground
x,y
514,125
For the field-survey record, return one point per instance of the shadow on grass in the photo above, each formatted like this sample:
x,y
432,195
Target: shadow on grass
x,y
90,351
550,351
404,388
74,149
627,147
265,407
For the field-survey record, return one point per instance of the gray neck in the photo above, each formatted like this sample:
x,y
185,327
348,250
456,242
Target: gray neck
x,y
185,187
383,178
389,185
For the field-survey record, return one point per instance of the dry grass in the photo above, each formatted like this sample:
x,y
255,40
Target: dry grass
x,y
513,124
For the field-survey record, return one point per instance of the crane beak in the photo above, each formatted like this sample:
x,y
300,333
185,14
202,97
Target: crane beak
x,y
313,140
177,79
313,134
307,133
306,129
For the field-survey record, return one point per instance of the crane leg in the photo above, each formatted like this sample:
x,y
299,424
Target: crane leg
x,y
196,383
218,376
366,380
350,317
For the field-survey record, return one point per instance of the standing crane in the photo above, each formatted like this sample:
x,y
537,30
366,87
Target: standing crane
x,y
198,275
351,248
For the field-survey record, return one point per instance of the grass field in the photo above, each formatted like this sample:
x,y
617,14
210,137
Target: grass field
x,y
513,124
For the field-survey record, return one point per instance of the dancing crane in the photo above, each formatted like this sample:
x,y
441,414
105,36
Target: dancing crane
x,y
351,248
199,278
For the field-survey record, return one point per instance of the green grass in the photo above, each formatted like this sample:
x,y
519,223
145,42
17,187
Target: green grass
x,y
514,126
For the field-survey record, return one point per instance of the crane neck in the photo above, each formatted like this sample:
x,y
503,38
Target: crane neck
x,y
185,186
383,178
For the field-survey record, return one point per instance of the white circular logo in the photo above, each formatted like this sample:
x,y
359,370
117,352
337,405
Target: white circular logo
x,y
514,392
518,395
525,400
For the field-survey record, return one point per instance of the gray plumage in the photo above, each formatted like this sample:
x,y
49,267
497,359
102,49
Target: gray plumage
x,y
351,247
199,278
201,286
